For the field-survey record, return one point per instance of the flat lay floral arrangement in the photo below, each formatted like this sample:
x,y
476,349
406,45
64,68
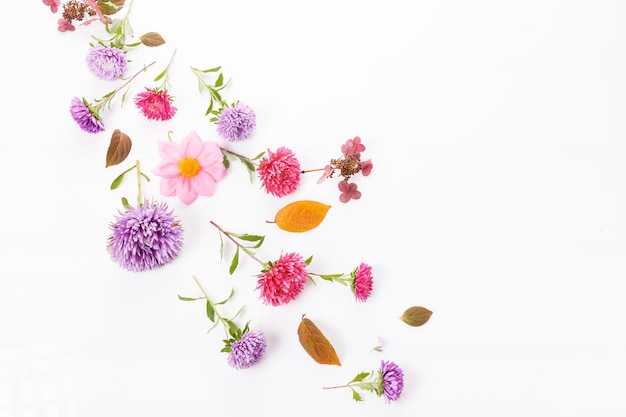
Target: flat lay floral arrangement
x,y
146,234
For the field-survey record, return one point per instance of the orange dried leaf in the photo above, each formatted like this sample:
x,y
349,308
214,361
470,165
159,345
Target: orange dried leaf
x,y
315,343
301,216
119,148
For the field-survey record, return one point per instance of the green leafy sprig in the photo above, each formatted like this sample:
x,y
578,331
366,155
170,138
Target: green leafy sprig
x,y
243,242
365,381
233,331
118,180
249,163
213,89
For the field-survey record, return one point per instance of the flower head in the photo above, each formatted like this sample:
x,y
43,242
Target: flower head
x,y
65,25
190,169
155,104
145,237
349,191
53,4
391,381
362,282
280,172
236,123
106,63
87,118
353,147
248,350
283,280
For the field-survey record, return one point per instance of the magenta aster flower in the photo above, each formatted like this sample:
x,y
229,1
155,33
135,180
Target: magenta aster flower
x,y
362,282
349,191
236,123
280,172
190,169
88,119
391,381
145,237
155,104
283,280
248,350
106,63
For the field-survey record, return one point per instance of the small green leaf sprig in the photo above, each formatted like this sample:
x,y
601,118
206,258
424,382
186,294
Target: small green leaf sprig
x,y
251,164
243,242
213,89
120,178
365,381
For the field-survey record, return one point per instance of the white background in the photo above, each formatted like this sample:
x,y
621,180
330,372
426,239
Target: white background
x,y
497,200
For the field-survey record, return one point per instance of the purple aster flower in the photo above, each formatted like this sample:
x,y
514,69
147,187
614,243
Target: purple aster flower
x,y
391,381
236,123
88,119
248,350
145,237
107,63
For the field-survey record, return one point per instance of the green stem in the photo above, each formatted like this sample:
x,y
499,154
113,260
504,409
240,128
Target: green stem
x,y
139,195
246,250
108,97
237,155
217,314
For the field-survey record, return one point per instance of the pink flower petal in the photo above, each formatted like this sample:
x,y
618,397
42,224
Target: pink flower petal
x,y
170,150
203,183
185,191
167,169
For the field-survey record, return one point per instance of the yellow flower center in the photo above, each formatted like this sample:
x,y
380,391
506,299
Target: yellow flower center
x,y
189,167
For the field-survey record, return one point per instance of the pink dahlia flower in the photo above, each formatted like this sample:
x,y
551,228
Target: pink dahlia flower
x,y
189,169
283,280
280,172
155,104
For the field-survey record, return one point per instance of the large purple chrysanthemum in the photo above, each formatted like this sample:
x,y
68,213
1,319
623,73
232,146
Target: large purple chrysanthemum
x,y
391,380
107,63
236,123
145,237
248,350
88,120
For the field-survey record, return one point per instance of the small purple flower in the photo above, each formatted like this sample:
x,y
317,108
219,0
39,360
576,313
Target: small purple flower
x,y
236,123
107,63
391,380
87,119
248,350
145,237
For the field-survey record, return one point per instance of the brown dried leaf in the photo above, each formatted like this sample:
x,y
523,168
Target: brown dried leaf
x,y
416,316
109,7
301,216
315,343
119,148
152,39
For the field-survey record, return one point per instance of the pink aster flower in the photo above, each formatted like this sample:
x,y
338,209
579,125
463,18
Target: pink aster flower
x,y
279,172
349,191
189,169
283,280
362,282
155,104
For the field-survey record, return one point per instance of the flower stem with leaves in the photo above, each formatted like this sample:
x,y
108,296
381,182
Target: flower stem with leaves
x,y
118,180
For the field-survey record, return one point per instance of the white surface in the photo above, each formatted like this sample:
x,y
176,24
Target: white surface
x,y
497,200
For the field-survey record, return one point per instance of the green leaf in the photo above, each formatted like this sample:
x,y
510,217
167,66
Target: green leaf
x,y
249,165
235,262
216,69
220,80
117,181
360,377
161,75
258,156
210,311
356,396
249,238
189,298
125,203
232,292
308,260
231,326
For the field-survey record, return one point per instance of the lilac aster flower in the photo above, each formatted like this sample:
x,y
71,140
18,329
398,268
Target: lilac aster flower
x,y
88,119
388,382
107,63
391,381
236,123
145,237
248,350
